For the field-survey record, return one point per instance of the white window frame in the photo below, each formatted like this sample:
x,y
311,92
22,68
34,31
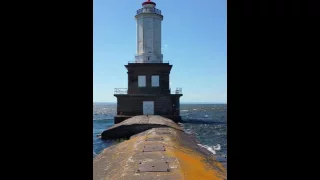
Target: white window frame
x,y
155,81
142,81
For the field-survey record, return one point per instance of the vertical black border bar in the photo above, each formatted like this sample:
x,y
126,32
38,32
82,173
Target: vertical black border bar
x,y
51,95
271,70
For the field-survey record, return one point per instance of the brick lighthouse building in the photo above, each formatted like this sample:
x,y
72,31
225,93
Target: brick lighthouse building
x,y
148,91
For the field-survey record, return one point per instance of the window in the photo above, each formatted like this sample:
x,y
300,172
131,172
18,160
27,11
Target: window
x,y
155,81
141,81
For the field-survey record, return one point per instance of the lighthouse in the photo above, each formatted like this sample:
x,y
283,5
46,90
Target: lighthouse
x,y
149,34
148,91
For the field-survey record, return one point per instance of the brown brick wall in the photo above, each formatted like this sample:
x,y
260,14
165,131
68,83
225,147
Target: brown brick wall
x,y
132,105
162,70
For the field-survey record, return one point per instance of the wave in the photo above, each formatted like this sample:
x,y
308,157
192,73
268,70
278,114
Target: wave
x,y
212,149
188,131
201,121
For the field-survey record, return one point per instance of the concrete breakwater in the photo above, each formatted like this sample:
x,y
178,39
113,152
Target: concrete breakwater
x,y
157,148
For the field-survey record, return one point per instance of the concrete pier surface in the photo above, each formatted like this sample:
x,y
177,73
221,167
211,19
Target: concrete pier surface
x,y
137,124
164,152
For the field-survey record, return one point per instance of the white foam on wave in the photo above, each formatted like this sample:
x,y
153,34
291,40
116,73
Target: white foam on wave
x,y
194,109
188,131
212,149
185,110
217,147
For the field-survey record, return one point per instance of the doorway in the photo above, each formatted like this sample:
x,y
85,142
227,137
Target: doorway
x,y
148,107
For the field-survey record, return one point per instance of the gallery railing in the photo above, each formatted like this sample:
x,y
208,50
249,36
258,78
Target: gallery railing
x,y
149,10
164,62
120,90
178,90
164,91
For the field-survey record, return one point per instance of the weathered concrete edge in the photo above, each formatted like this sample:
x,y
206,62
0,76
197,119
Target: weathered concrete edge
x,y
126,131
142,119
138,124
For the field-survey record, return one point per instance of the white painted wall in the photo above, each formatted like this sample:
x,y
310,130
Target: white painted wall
x,y
148,38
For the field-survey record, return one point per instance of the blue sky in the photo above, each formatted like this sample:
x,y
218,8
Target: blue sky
x,y
194,41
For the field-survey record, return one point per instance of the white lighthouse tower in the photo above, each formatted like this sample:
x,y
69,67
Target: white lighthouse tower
x,y
148,34
148,91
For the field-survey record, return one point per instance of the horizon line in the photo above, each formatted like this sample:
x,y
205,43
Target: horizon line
x,y
180,102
